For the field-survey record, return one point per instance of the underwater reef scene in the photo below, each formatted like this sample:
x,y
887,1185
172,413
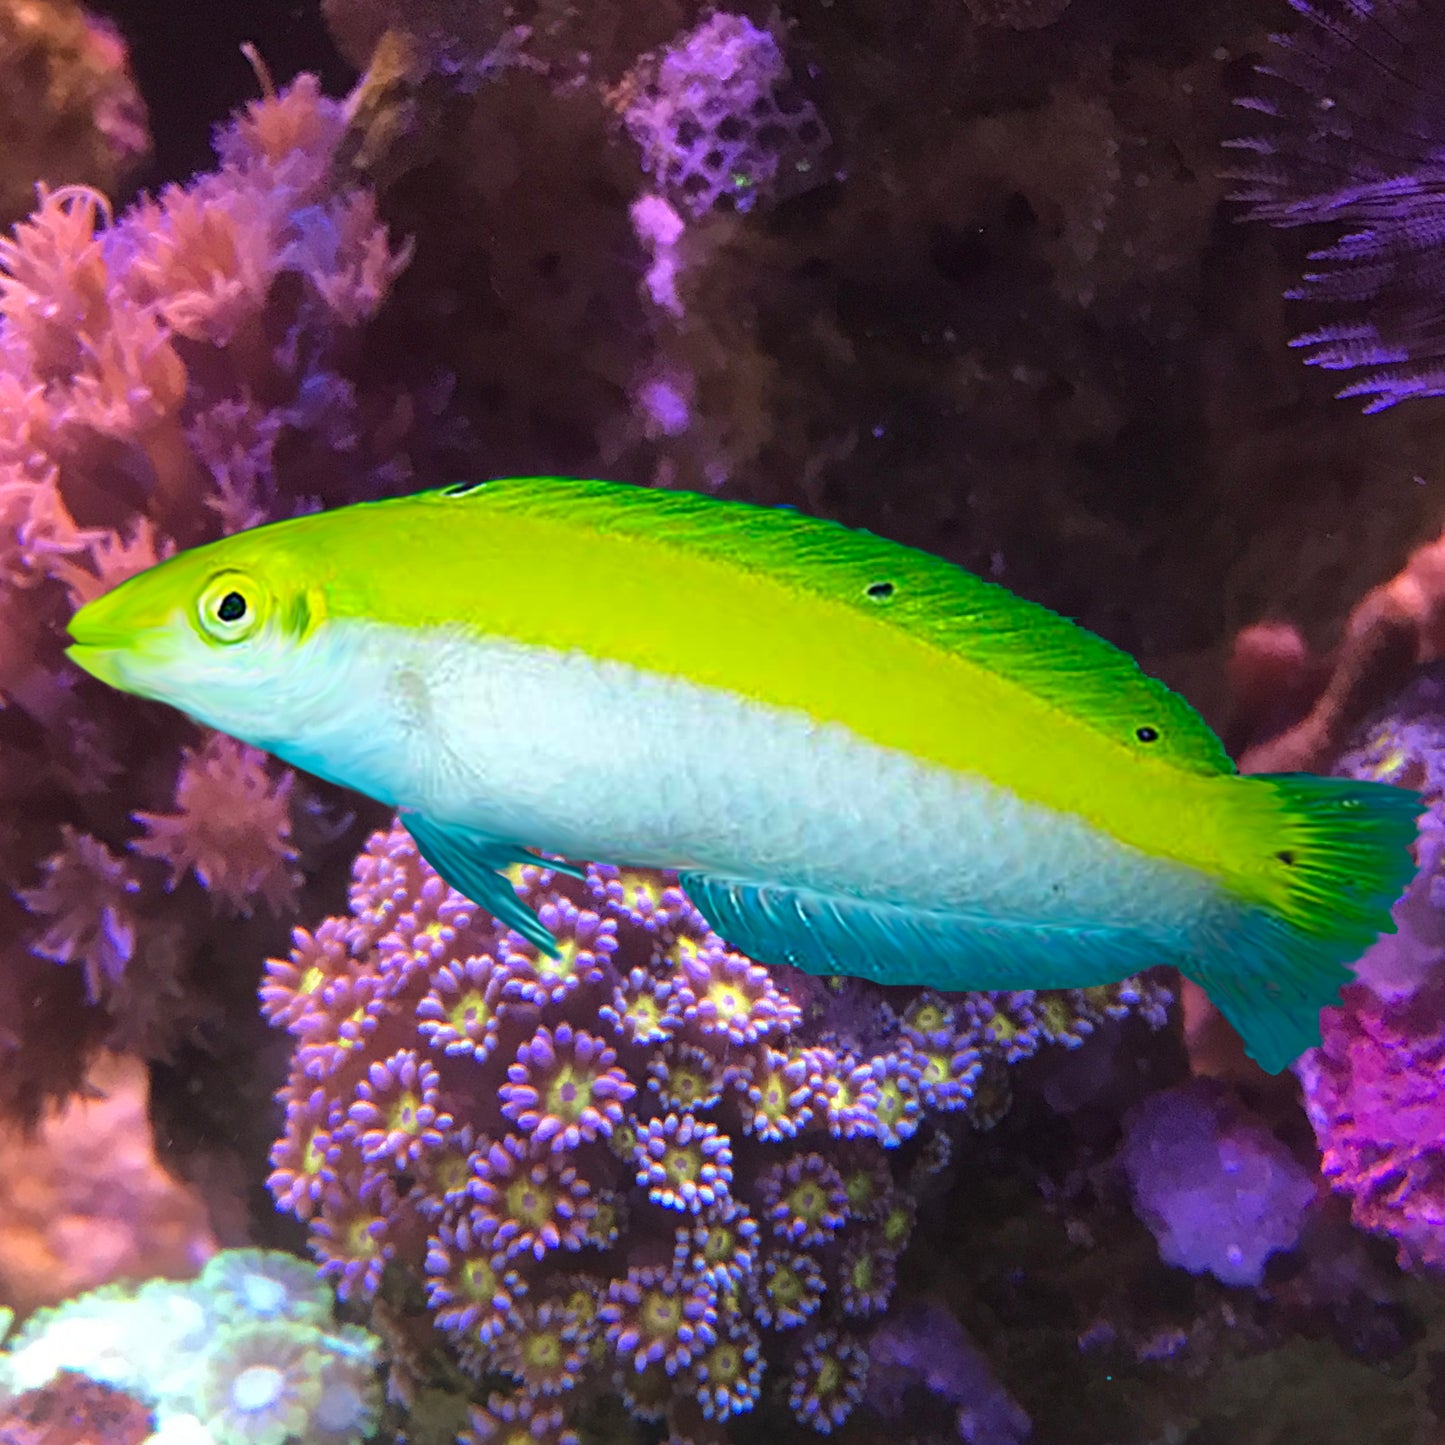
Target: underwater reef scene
x,y
1133,307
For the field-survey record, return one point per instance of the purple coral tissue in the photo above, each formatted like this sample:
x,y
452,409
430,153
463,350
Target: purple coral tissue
x,y
1218,1191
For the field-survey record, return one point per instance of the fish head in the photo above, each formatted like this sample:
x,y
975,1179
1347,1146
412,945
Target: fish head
x,y
224,633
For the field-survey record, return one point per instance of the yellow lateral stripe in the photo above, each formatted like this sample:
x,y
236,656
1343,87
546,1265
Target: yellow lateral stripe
x,y
544,578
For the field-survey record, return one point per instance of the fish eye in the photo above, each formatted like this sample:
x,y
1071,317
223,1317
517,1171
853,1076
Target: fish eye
x,y
1146,734
230,608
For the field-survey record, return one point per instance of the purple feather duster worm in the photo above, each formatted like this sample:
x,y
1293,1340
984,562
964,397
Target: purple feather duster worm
x,y
1356,136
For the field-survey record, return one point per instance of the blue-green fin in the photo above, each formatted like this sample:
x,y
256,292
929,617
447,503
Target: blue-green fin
x,y
1270,980
1346,845
891,943
471,863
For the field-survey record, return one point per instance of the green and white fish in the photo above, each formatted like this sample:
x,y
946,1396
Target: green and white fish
x,y
861,758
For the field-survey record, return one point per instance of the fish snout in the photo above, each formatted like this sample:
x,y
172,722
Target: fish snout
x,y
121,627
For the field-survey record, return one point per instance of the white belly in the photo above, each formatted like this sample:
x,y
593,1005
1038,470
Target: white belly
x,y
601,761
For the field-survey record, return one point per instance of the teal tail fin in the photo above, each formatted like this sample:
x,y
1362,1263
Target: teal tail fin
x,y
1327,859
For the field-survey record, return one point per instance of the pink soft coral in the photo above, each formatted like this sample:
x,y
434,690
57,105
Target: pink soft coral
x,y
86,901
179,371
54,287
231,828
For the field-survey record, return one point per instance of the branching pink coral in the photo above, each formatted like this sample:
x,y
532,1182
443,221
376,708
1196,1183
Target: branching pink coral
x,y
152,364
55,290
209,255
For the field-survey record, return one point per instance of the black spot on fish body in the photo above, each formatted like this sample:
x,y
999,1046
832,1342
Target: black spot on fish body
x,y
462,489
1286,857
880,591
1147,734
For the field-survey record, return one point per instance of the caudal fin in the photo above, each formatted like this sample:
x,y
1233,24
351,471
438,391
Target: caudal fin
x,y
1327,857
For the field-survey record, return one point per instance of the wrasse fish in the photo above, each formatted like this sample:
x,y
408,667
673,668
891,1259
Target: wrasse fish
x,y
862,759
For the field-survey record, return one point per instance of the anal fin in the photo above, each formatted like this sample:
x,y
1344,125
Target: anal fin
x,y
890,943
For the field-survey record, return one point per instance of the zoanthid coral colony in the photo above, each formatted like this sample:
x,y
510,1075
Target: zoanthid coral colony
x,y
646,1167
248,1353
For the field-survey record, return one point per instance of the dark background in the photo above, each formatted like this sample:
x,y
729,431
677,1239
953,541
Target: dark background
x,y
188,63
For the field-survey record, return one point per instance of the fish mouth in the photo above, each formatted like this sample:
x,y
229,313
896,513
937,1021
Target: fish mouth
x,y
99,655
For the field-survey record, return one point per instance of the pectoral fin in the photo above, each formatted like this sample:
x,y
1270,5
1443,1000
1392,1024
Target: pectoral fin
x,y
897,944
471,863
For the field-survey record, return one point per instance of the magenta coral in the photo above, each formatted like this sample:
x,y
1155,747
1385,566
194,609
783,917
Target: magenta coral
x,y
1007,1021
780,1093
292,987
803,1199
720,1247
848,1096
585,941
530,1202
547,1350
896,1108
396,1116
642,1009
463,1009
659,1316
727,999
592,1142
729,1373
468,1285
789,1289
1373,1094
643,900
301,1159
683,1163
352,1235
349,1011
517,1421
944,1070
828,1381
866,1275
686,1077
929,1019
